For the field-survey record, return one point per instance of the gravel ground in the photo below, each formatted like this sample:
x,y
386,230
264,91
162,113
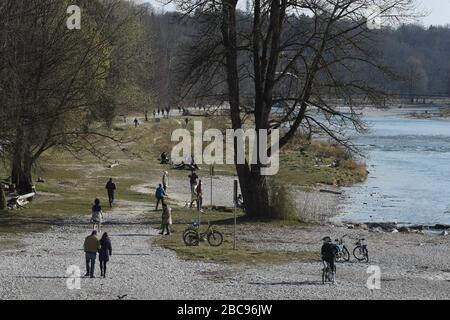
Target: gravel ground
x,y
413,266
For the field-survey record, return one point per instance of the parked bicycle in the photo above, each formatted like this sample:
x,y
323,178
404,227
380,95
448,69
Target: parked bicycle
x,y
360,252
192,236
342,253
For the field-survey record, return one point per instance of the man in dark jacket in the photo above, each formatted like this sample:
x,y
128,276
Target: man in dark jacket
x,y
160,194
328,251
111,187
91,247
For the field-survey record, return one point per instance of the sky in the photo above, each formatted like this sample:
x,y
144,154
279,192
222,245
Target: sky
x,y
439,10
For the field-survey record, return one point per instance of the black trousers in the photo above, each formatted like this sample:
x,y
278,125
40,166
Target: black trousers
x,y
103,267
157,202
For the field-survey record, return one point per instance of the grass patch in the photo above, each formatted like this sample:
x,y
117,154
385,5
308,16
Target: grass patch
x,y
244,253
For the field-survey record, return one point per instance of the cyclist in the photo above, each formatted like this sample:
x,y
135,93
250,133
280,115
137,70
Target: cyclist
x,y
328,253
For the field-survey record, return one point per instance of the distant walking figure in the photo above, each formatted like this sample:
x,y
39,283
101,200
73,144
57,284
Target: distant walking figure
x,y
160,194
165,180
91,246
166,219
104,253
97,215
136,122
111,187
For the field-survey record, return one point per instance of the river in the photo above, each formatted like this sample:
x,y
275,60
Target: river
x,y
409,180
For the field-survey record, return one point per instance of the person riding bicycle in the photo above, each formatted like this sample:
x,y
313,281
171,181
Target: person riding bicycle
x,y
328,252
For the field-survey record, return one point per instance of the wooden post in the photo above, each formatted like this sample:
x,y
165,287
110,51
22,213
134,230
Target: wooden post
x,y
235,190
211,174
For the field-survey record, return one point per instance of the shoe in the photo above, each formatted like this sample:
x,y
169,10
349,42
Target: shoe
x,y
92,277
161,233
168,234
86,275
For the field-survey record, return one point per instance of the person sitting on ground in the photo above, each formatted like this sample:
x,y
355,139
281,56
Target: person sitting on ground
x,y
104,253
160,194
97,215
91,247
328,253
336,163
240,201
179,166
166,219
164,158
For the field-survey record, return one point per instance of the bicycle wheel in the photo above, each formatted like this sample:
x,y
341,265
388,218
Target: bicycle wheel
x,y
215,239
361,254
345,254
191,238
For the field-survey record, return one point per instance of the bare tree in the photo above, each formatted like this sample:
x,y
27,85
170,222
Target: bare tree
x,y
310,41
55,83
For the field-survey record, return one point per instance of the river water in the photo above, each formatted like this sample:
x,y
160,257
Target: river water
x,y
409,180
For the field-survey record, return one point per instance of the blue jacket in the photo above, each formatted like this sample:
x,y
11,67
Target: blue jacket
x,y
160,193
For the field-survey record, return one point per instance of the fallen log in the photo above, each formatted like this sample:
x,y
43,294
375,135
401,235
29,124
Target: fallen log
x,y
330,191
19,202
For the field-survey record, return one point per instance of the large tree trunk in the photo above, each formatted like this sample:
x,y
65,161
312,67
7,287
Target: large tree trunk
x,y
22,177
2,197
253,185
255,192
22,163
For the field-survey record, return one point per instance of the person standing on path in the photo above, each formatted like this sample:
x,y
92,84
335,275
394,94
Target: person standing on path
x,y
91,247
111,187
160,194
165,180
199,193
104,253
97,215
166,219
136,122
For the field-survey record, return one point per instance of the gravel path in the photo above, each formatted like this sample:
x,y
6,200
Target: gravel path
x,y
413,266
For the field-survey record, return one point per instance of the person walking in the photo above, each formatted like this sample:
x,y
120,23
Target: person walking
x,y
91,247
199,192
104,253
328,254
166,219
136,122
111,187
160,194
165,180
193,195
97,215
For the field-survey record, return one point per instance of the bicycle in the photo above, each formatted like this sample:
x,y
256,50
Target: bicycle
x,y
342,253
328,275
360,252
192,236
